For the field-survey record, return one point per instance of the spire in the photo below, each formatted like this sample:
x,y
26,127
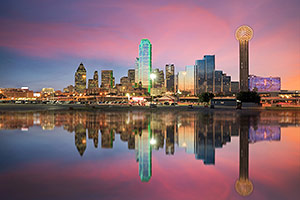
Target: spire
x,y
81,68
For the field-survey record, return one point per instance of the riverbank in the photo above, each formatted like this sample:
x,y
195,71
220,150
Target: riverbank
x,y
44,107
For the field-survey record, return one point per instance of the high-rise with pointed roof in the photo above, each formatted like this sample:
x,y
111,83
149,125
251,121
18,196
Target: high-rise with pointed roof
x,y
80,79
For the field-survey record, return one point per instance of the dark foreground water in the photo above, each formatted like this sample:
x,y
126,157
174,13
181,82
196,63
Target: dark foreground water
x,y
150,155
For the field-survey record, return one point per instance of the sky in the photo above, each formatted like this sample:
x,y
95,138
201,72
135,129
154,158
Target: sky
x,y
42,43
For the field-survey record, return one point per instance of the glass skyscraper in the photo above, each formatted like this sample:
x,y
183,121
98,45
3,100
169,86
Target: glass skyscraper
x,y
170,77
200,76
218,81
145,64
186,80
205,74
210,72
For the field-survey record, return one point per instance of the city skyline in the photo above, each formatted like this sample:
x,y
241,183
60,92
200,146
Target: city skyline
x,y
40,50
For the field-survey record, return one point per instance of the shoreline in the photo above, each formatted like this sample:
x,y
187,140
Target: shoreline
x,y
95,107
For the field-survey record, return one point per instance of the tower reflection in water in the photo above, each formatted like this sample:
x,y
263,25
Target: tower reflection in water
x,y
243,185
199,133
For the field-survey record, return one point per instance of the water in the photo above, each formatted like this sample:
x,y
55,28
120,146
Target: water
x,y
150,155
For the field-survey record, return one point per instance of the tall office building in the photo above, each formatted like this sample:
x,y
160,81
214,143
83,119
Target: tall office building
x,y
170,77
93,83
205,74
226,84
200,76
159,80
244,34
136,71
107,79
210,72
144,64
186,80
218,81
80,79
131,76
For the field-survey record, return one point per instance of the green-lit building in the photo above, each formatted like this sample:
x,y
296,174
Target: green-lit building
x,y
107,79
144,67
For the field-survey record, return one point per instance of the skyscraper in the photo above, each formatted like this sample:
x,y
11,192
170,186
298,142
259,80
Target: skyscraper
x,y
159,80
226,84
107,79
131,76
200,76
186,80
80,79
210,72
205,74
170,77
145,64
93,83
136,71
243,34
218,81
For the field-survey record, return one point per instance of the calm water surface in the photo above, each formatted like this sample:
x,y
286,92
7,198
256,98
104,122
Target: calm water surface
x,y
150,155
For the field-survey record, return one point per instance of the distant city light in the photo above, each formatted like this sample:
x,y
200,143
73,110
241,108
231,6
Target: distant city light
x,y
138,98
36,94
24,88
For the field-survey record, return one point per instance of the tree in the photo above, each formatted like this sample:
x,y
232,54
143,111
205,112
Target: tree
x,y
205,97
248,97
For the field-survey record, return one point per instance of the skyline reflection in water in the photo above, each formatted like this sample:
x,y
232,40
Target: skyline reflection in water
x,y
196,133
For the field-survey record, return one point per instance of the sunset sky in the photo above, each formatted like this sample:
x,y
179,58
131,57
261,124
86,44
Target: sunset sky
x,y
42,42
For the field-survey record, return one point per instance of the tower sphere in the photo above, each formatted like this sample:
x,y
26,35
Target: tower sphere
x,y
244,187
244,33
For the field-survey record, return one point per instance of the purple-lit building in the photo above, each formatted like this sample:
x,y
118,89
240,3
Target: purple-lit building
x,y
264,84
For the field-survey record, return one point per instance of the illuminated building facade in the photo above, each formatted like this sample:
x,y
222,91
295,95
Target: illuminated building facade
x,y
16,93
107,79
124,80
145,64
69,89
159,79
244,34
80,79
264,84
93,83
170,77
131,76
